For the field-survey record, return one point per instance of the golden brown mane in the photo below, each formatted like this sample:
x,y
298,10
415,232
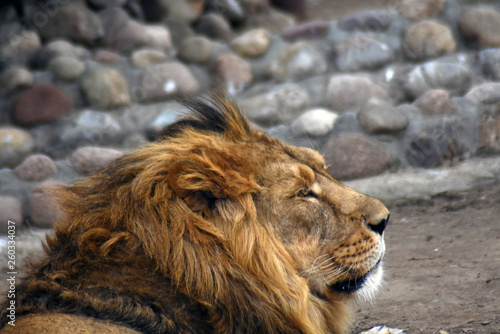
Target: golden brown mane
x,y
169,239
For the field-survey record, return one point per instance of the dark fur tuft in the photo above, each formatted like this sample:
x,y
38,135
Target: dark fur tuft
x,y
219,116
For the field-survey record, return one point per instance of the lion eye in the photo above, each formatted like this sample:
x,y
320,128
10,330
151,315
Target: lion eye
x,y
306,192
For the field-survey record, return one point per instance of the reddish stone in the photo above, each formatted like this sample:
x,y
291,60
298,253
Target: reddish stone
x,y
42,104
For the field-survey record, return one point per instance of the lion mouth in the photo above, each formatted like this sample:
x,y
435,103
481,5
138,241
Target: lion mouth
x,y
353,284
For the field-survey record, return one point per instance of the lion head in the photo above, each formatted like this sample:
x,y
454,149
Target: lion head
x,y
214,228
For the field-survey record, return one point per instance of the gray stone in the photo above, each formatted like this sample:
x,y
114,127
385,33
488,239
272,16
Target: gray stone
x,y
314,122
166,80
299,61
89,128
443,138
421,183
436,101
214,26
233,10
348,124
106,88
232,73
378,116
73,21
281,132
57,48
124,34
281,105
367,20
147,57
37,167
489,60
188,11
90,159
10,211
15,144
139,117
20,48
67,68
108,3
272,20
196,49
451,76
310,29
164,119
427,150
360,51
43,205
481,23
252,43
14,79
115,20
428,39
351,92
180,29
158,36
487,93
354,157
420,9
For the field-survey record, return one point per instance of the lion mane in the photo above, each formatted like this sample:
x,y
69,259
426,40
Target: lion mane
x,y
182,236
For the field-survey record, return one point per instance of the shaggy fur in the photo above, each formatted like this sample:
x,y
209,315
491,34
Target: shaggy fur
x,y
214,228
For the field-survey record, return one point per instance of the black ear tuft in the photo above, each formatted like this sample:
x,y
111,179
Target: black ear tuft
x,y
209,199
206,117
220,116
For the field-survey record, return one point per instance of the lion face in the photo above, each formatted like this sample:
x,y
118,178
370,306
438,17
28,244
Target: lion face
x,y
287,222
333,233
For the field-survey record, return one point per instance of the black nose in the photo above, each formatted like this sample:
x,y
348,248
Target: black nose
x,y
380,225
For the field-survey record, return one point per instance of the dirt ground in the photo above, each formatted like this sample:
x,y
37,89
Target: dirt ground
x,y
442,266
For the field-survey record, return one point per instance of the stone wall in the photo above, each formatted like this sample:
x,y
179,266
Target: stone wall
x,y
415,84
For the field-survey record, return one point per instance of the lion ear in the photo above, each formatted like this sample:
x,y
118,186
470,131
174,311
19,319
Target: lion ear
x,y
200,183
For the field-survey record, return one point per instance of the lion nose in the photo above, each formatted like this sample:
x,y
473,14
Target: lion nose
x,y
379,225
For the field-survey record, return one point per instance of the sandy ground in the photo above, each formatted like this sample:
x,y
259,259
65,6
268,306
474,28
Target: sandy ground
x,y
442,266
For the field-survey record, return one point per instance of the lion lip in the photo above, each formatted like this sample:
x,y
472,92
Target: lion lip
x,y
353,284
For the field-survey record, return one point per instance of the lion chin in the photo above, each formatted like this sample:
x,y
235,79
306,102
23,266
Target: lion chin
x,y
213,228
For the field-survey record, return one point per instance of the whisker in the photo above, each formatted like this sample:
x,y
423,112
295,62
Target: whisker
x,y
337,272
314,267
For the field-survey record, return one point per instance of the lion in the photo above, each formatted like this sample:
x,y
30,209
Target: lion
x,y
213,228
